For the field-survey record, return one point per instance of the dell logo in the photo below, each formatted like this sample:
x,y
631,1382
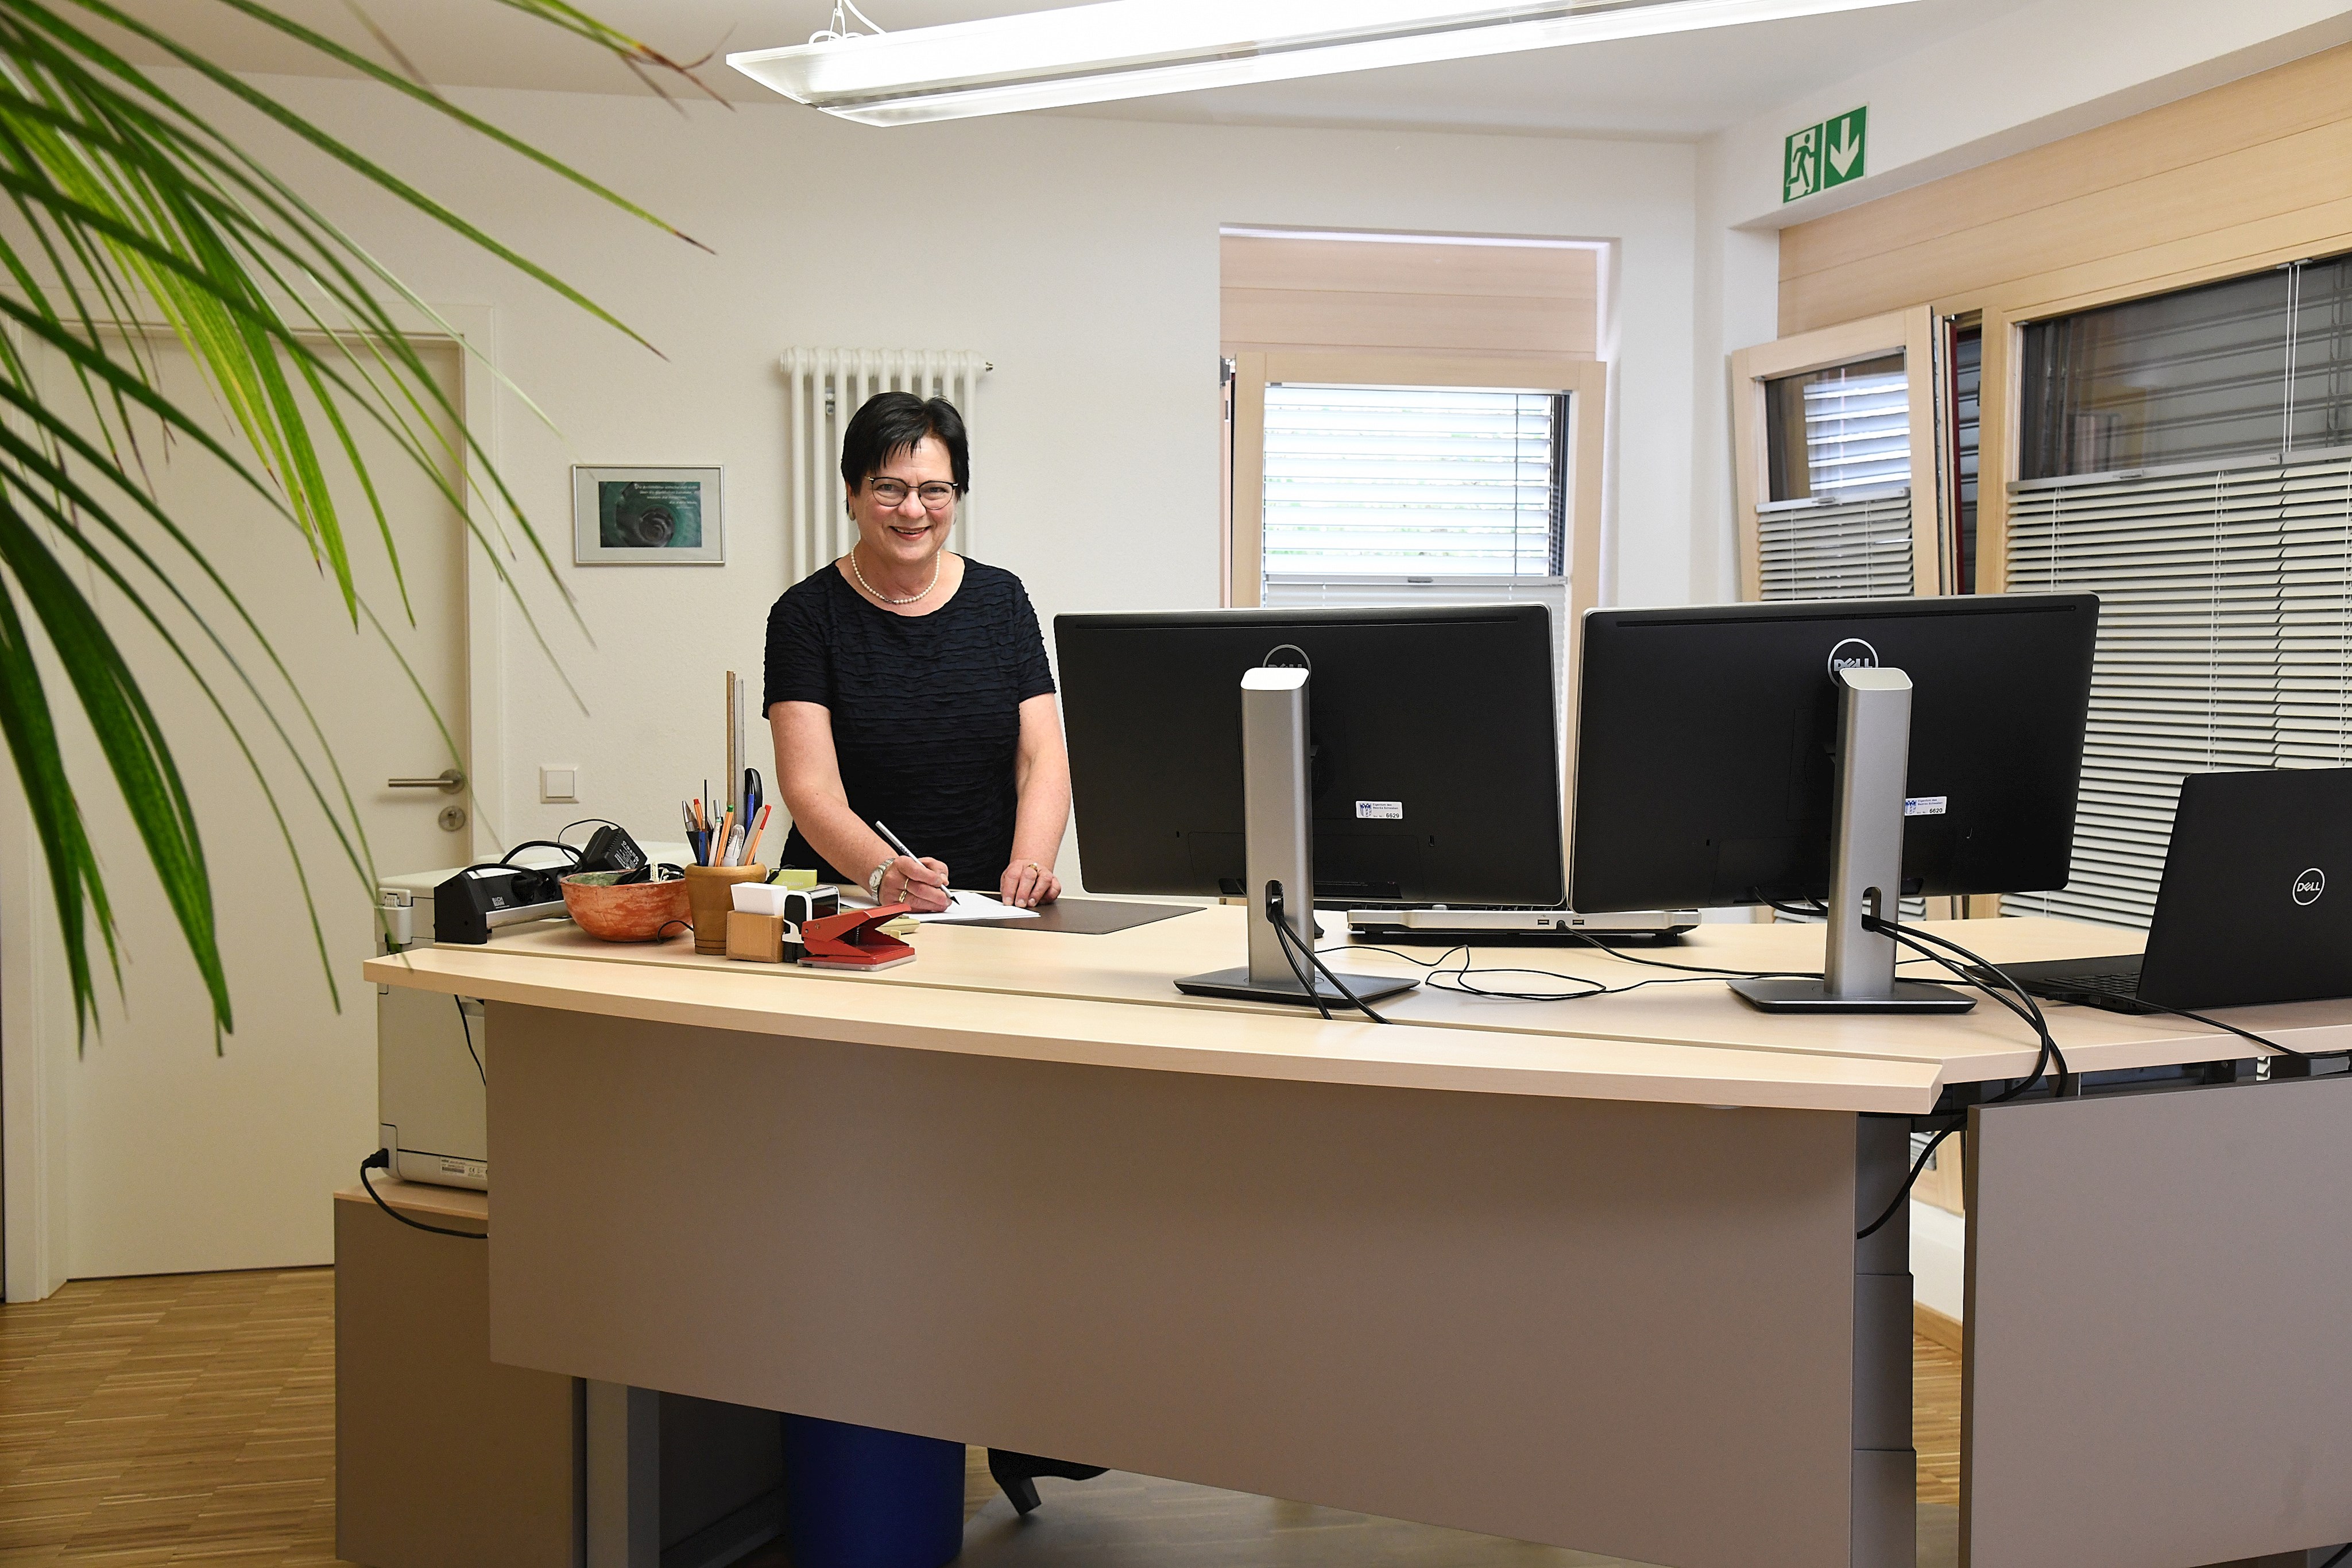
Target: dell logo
x,y
1854,653
2309,885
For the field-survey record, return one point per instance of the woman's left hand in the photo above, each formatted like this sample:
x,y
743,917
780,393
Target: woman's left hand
x,y
1028,884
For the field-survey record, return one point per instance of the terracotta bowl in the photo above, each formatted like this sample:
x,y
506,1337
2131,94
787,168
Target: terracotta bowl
x,y
634,912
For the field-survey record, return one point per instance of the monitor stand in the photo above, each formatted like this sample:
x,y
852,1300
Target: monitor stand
x,y
1865,864
1280,851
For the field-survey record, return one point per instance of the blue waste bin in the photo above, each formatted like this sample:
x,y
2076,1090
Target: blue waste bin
x,y
858,1496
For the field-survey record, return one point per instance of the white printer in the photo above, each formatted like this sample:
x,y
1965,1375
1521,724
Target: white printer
x,y
432,1051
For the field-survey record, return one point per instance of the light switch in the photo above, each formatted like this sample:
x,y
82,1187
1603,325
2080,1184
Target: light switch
x,y
559,783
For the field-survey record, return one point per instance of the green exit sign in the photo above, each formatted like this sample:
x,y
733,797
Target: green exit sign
x,y
1821,156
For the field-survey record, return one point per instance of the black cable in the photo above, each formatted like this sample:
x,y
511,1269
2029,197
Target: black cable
x,y
467,1024
1274,913
2026,1006
2341,1554
1872,1228
381,1160
583,822
2263,1040
1295,946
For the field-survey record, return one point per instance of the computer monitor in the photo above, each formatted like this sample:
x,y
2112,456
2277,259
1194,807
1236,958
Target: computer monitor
x,y
1709,750
1435,752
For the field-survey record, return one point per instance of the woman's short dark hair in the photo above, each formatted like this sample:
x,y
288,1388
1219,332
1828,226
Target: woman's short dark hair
x,y
894,422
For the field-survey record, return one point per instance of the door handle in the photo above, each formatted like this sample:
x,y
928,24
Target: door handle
x,y
449,781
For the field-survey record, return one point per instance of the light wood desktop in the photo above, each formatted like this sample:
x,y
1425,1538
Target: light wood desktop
x,y
1583,1274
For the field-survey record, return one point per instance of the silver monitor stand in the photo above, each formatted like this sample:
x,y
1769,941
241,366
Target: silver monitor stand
x,y
1865,864
1281,849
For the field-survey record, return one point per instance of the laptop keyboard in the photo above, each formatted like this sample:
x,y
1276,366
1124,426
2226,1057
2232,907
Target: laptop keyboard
x,y
2105,983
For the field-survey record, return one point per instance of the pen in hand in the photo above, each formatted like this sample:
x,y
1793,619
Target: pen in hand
x,y
896,843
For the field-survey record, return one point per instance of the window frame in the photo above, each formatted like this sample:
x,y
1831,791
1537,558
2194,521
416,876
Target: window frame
x,y
1585,445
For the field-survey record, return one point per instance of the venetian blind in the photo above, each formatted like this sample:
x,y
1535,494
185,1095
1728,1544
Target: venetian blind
x,y
1853,544
2225,642
1384,495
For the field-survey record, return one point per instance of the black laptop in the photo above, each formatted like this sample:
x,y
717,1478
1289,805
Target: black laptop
x,y
2255,906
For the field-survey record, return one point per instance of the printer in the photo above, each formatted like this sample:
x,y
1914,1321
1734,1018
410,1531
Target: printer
x,y
432,1051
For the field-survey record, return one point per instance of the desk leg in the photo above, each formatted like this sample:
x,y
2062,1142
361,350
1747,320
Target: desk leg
x,y
623,1476
1885,1468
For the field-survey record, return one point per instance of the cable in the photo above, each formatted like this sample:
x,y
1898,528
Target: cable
x,y
467,1024
2025,1007
1281,931
2341,1554
2263,1040
1295,946
1872,1228
381,1160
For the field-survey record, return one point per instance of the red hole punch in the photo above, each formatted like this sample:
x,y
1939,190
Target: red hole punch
x,y
855,939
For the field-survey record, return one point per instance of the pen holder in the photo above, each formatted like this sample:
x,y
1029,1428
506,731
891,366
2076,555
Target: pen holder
x,y
707,896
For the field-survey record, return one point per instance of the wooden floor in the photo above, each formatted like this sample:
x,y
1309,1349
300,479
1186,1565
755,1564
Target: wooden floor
x,y
191,1419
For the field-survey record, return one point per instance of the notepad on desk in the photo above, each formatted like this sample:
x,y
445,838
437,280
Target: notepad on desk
x,y
974,906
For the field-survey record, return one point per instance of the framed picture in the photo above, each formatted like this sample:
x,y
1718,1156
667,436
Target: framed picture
x,y
647,516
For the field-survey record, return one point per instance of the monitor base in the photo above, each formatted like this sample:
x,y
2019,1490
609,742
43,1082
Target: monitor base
x,y
1814,997
1235,985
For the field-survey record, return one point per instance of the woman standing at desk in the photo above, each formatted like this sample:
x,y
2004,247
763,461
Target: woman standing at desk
x,y
908,684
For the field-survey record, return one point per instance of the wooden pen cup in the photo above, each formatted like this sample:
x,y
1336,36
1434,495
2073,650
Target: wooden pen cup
x,y
709,894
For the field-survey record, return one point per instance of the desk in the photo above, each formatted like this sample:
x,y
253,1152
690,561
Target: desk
x,y
1582,1273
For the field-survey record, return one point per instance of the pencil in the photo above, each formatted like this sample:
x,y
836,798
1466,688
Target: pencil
x,y
751,848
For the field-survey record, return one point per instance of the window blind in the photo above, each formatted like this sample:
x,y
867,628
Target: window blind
x,y
1364,481
1853,544
1383,495
1858,433
2225,642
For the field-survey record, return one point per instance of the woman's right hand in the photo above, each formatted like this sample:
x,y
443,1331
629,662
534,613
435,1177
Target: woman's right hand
x,y
920,882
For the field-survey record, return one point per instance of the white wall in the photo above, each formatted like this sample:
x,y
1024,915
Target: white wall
x,y
1079,255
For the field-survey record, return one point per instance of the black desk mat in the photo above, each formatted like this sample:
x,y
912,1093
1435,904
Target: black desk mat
x,y
1089,916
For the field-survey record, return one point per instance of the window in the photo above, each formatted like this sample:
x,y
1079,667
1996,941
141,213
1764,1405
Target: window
x,y
2224,569
1839,431
1415,484
1838,522
2250,368
1968,420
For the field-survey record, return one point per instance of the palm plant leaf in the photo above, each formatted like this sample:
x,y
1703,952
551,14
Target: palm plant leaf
x,y
136,214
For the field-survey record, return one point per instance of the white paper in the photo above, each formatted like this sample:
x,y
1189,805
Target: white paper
x,y
975,907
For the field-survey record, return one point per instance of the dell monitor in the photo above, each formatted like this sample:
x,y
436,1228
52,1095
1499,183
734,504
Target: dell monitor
x,y
1711,756
1426,760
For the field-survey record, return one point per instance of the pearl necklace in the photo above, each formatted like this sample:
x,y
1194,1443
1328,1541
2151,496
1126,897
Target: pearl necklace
x,y
886,598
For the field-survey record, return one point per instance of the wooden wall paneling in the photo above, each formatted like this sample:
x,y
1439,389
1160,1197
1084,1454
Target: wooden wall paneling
x,y
1532,301
2297,97
2228,172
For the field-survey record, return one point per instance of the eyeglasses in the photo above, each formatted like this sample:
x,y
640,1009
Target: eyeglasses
x,y
937,497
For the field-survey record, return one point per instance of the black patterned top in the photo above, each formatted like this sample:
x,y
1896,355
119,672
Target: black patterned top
x,y
926,711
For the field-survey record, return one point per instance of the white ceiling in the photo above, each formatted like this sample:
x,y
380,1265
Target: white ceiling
x,y
1680,85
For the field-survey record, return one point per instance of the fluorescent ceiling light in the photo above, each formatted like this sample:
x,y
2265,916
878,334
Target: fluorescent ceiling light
x,y
1136,48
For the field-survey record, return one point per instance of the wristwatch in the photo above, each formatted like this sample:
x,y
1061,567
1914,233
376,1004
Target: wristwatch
x,y
873,882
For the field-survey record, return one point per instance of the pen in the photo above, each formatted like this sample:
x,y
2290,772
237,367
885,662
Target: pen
x,y
751,848
896,843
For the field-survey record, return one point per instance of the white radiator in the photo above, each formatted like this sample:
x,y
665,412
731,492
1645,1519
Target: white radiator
x,y
824,387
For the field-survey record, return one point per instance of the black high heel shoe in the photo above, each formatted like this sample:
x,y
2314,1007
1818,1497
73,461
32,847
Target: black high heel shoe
x,y
1018,1473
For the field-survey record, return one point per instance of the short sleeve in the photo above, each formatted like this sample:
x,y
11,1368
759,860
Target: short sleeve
x,y
800,656
1033,676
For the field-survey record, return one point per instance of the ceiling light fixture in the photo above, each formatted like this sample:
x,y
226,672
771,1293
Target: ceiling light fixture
x,y
1136,48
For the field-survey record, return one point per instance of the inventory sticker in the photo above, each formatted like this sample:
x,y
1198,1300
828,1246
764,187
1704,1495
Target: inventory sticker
x,y
1379,811
1924,806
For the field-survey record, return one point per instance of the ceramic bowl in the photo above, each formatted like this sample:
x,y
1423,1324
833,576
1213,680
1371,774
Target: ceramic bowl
x,y
632,912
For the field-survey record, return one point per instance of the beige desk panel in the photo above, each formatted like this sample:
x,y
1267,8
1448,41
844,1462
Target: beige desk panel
x,y
1043,995
1557,1320
2156,1373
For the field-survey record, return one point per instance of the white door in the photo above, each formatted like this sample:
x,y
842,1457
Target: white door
x,y
160,1154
